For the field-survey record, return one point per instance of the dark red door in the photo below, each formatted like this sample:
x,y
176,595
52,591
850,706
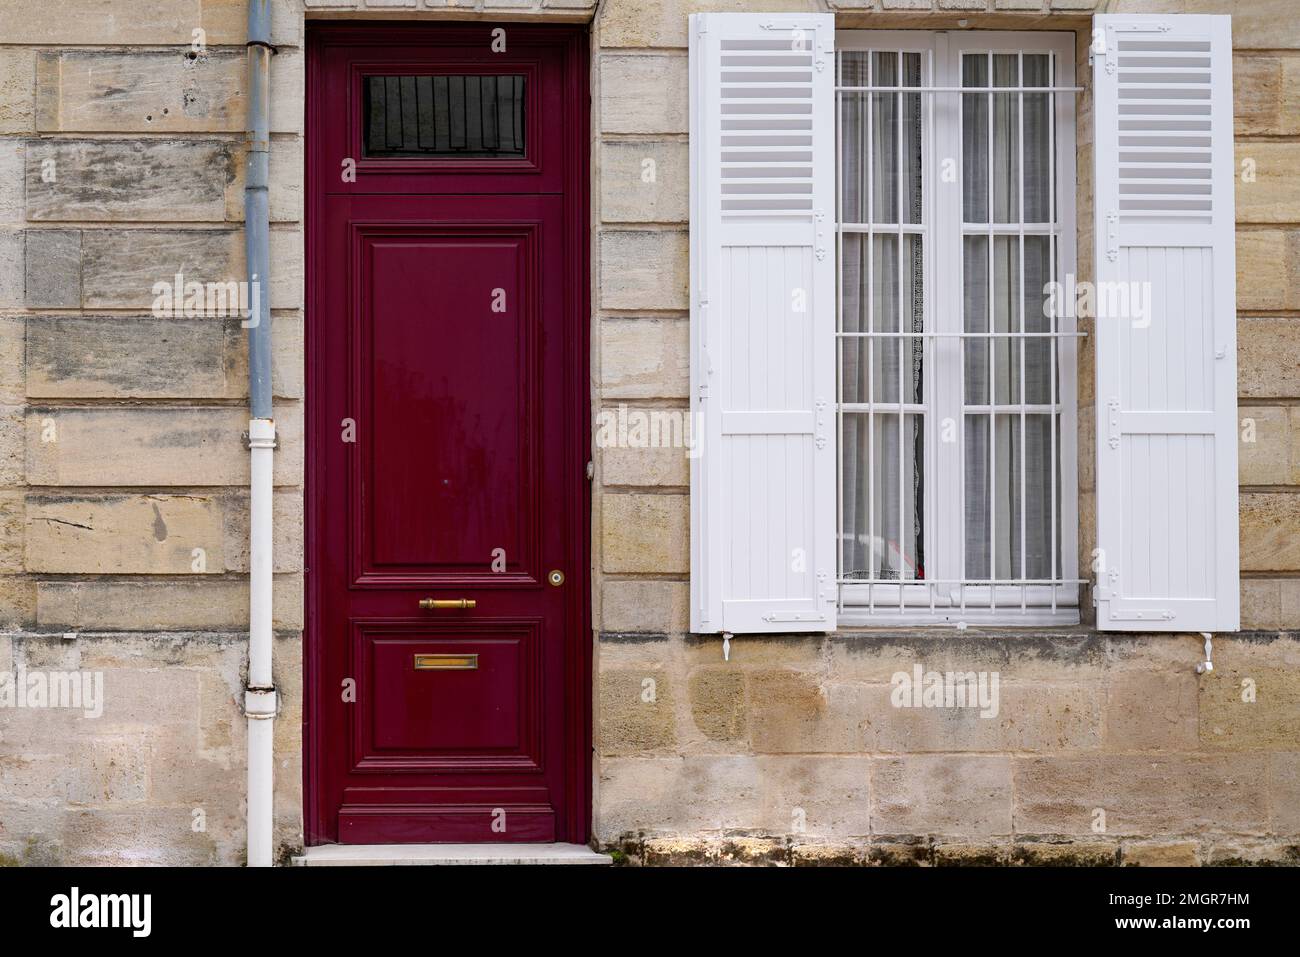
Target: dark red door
x,y
448,644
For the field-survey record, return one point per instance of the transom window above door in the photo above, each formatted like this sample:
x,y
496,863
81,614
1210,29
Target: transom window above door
x,y
956,369
445,116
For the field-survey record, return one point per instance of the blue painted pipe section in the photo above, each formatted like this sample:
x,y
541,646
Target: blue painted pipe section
x,y
257,214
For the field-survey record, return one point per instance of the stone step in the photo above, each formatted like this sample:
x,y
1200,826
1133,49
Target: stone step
x,y
372,855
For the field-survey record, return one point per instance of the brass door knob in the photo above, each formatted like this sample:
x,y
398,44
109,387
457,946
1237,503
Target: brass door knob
x,y
430,603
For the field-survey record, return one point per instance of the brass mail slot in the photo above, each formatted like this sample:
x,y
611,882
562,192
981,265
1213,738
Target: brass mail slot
x,y
446,662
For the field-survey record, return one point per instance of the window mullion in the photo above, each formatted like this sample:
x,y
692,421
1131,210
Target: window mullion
x,y
992,353
947,559
1023,346
869,288
1053,215
900,200
930,348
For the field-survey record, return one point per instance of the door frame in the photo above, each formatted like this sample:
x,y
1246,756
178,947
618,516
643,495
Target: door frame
x,y
576,706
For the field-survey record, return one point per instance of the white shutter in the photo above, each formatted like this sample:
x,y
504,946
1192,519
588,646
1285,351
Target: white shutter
x,y
1166,392
762,322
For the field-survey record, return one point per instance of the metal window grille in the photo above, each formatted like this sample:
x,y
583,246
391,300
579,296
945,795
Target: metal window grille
x,y
451,116
927,561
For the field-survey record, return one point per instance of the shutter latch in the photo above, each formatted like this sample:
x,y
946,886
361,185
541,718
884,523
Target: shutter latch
x,y
1208,664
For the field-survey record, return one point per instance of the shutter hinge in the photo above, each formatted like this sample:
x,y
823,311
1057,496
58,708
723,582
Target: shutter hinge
x,y
1144,614
824,593
1113,421
1111,51
1112,235
791,616
1136,26
591,470
1106,592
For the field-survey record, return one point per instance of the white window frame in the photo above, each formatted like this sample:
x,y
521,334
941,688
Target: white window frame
x,y
947,597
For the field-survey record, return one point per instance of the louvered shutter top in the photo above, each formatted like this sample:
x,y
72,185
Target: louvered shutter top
x,y
1164,84
766,122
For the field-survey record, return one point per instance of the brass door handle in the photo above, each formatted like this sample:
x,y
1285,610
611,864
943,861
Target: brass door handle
x,y
428,603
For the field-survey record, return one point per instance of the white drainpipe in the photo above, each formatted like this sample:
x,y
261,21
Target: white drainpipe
x,y
260,698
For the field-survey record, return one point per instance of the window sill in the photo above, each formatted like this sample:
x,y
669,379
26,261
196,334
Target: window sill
x,y
971,619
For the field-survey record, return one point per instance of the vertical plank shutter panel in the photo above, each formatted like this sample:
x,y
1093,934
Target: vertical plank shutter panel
x,y
762,159
1166,391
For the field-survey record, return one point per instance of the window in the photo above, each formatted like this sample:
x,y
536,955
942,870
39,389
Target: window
x,y
956,404
445,117
884,337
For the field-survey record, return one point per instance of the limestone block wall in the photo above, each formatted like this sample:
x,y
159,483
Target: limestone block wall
x,y
124,502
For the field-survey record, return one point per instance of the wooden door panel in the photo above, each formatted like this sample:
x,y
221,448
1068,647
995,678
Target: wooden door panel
x,y
452,823
449,488
421,709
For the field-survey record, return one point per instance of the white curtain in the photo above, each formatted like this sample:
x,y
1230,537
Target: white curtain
x,y
883,478
1008,458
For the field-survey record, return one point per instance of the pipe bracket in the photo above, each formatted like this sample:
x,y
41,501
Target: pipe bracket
x,y
260,435
262,703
